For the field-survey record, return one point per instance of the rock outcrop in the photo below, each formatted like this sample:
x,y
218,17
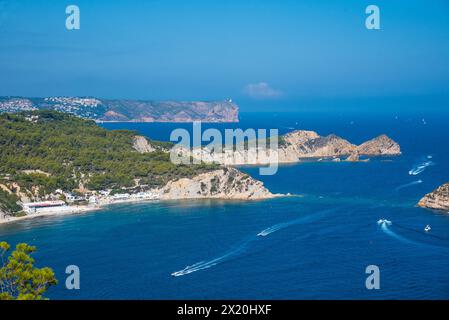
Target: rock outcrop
x,y
224,183
354,157
298,145
437,199
380,146
141,145
329,146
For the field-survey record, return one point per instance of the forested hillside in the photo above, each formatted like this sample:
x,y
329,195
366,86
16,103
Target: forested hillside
x,y
48,150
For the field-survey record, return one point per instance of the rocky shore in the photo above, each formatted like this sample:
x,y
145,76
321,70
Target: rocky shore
x,y
437,199
298,145
225,183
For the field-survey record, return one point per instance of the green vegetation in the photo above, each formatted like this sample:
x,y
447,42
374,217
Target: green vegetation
x,y
19,278
8,203
68,150
214,183
281,141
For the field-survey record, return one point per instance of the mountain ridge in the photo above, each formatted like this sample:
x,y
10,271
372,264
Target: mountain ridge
x,y
127,110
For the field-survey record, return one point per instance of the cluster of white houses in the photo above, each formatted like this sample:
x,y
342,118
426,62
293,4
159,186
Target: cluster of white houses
x,y
103,197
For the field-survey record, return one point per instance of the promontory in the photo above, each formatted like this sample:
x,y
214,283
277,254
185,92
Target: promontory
x,y
437,199
127,110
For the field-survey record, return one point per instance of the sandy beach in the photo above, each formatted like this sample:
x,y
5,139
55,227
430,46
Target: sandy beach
x,y
69,210
62,211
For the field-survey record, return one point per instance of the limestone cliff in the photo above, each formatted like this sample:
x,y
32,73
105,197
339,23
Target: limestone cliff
x,y
224,183
382,145
437,199
298,145
329,146
141,145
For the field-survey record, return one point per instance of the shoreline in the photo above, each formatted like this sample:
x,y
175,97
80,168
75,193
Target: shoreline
x,y
72,210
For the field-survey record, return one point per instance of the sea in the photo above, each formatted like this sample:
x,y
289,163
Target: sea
x,y
320,243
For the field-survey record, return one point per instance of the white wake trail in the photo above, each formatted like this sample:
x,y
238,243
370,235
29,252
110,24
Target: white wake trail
x,y
385,228
208,264
284,225
243,247
420,168
408,185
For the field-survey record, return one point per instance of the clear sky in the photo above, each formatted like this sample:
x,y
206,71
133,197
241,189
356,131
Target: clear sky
x,y
256,50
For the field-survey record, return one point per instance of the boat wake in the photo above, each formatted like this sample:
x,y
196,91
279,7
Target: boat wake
x,y
408,185
242,248
421,167
385,226
208,264
284,225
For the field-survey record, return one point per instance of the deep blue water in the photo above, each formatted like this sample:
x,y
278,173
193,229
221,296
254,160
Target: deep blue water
x,y
318,245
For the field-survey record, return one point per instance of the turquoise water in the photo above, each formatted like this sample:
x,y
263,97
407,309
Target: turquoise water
x,y
316,245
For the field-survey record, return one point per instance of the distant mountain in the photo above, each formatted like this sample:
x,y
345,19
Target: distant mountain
x,y
128,110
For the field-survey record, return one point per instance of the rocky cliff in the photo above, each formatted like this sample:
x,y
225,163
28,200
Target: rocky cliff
x,y
437,199
379,146
141,144
329,146
128,110
224,183
298,145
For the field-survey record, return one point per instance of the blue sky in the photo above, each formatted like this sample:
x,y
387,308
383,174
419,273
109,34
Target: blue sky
x,y
271,51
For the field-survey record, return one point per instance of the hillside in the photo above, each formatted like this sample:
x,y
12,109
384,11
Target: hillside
x,y
128,110
47,150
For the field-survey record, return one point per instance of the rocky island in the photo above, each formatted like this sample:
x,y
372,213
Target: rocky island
x,y
437,199
296,146
121,110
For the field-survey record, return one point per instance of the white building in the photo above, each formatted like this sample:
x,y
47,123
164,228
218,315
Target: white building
x,y
93,199
121,196
34,207
145,195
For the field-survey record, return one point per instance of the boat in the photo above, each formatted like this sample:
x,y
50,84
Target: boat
x,y
384,221
427,228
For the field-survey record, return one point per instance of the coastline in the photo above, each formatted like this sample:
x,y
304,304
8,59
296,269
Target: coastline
x,y
72,210
162,121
